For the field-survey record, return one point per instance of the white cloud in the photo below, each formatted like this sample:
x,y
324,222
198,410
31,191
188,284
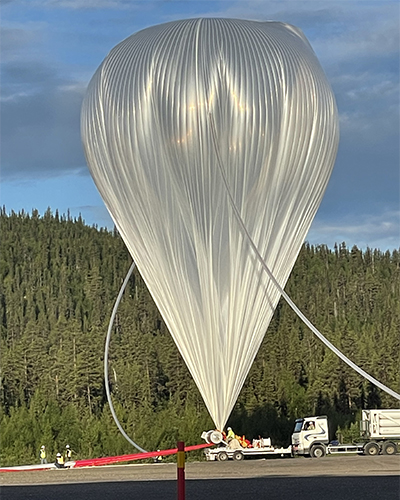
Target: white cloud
x,y
366,85
21,40
361,39
81,4
46,61
42,133
373,231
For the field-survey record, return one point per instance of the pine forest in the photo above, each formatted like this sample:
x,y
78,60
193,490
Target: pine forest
x,y
59,281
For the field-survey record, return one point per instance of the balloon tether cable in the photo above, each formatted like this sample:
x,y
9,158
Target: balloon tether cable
x,y
106,349
277,285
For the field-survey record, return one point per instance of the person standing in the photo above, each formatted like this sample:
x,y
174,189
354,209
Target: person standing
x,y
43,455
68,453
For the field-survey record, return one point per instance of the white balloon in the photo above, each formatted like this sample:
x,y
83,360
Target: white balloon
x,y
169,108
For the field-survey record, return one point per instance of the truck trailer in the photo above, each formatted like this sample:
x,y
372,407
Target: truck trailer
x,y
260,448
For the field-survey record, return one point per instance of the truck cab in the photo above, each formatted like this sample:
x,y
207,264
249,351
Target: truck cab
x,y
310,436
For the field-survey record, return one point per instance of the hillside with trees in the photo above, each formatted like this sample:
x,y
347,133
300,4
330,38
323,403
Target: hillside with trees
x,y
59,281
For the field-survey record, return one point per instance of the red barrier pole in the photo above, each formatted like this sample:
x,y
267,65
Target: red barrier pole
x,y
181,470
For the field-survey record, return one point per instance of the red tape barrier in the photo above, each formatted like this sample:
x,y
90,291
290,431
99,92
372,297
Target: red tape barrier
x,y
105,460
91,462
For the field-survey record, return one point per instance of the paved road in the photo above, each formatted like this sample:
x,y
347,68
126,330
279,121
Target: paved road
x,y
274,488
330,478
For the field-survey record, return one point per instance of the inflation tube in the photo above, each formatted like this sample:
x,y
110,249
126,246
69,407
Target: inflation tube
x,y
281,291
107,385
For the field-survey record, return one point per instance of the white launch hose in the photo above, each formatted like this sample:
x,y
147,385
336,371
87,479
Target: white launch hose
x,y
106,382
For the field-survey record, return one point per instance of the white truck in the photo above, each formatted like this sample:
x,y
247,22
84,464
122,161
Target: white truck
x,y
379,433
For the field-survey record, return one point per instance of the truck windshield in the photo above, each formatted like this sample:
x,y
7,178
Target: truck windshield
x,y
298,425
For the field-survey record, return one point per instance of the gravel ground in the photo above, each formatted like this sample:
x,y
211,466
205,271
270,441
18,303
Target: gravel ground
x,y
289,467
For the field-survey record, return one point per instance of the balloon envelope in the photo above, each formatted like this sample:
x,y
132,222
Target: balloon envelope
x,y
170,109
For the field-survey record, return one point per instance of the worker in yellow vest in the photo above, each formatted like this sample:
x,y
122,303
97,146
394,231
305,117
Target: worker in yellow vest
x,y
59,463
230,435
157,459
43,455
68,453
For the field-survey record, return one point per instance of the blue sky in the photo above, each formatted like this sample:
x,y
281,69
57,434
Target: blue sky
x,y
51,48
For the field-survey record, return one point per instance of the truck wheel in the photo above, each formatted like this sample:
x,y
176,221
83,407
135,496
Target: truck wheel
x,y
389,448
238,455
222,456
371,449
317,451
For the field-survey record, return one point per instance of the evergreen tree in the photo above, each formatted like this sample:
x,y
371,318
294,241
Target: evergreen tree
x,y
59,281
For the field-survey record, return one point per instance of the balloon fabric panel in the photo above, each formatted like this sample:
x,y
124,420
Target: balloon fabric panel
x,y
167,109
